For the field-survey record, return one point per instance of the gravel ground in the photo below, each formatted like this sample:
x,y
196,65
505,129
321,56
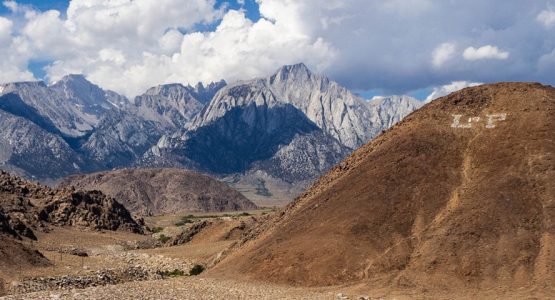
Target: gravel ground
x,y
182,288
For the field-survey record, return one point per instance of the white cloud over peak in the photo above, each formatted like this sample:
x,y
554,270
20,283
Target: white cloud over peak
x,y
14,52
447,89
395,46
129,46
5,30
546,18
484,52
442,54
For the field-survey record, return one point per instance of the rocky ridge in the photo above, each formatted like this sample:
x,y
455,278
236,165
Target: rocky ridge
x,y
162,191
28,206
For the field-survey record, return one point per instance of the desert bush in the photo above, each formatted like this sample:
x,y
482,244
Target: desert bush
x,y
163,239
174,273
183,221
197,269
157,229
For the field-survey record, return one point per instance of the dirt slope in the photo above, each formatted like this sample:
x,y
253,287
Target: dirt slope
x,y
163,191
432,202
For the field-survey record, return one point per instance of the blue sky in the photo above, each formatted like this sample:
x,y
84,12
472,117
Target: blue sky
x,y
41,5
249,5
417,47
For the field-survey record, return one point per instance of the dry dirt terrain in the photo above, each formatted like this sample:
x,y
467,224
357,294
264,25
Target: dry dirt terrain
x,y
458,197
114,268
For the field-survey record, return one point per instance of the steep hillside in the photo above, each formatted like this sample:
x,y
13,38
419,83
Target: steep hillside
x,y
28,149
459,194
163,191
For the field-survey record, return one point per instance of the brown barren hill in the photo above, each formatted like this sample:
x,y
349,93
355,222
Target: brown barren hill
x,y
14,254
163,191
29,206
435,201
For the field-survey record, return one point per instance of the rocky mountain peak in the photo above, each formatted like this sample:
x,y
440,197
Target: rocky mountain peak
x,y
78,89
170,105
292,73
75,83
168,90
74,78
205,93
14,86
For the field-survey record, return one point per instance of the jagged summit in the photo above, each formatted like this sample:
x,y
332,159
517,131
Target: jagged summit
x,y
73,78
175,90
294,72
291,127
332,107
205,93
12,86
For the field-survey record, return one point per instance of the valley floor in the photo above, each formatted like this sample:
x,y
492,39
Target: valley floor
x,y
115,269
182,288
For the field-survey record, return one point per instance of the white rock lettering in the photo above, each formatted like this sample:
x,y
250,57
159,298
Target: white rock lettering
x,y
491,120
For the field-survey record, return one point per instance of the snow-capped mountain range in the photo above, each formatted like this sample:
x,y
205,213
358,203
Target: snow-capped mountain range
x,y
288,128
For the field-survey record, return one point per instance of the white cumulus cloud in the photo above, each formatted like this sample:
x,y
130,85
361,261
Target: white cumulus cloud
x,y
396,46
447,89
484,52
442,54
546,18
15,53
129,46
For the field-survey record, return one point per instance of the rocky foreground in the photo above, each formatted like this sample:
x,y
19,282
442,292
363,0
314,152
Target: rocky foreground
x,y
183,288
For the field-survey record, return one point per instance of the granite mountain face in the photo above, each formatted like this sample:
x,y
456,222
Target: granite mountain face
x,y
73,126
331,107
286,129
72,105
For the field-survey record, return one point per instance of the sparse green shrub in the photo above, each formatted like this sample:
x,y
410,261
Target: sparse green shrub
x,y
244,214
174,273
197,269
163,239
183,221
157,229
